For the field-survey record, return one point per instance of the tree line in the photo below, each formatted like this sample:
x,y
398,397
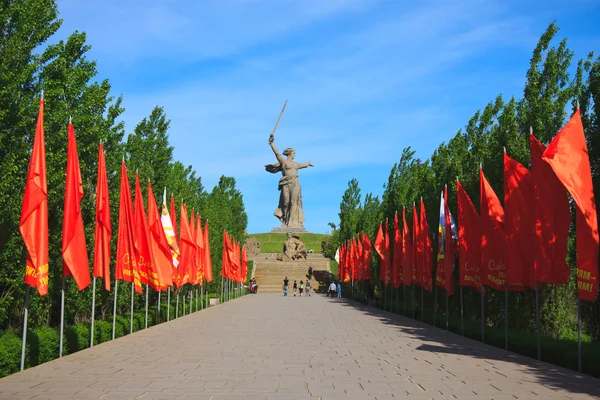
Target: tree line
x,y
550,96
32,61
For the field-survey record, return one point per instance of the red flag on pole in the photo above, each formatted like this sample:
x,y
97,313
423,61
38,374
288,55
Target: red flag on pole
x,y
380,247
427,250
417,265
568,156
141,240
103,232
173,217
199,239
552,215
160,251
244,265
126,268
406,252
74,250
492,236
367,253
193,268
469,240
449,246
34,213
186,246
397,254
519,225
208,273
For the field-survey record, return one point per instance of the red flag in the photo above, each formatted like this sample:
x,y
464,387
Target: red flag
x,y
186,246
173,217
160,251
397,255
75,257
244,265
34,213
193,269
519,225
406,252
226,262
126,268
469,240
552,215
367,253
199,238
449,247
568,156
380,247
492,236
207,261
427,250
417,265
103,230
141,240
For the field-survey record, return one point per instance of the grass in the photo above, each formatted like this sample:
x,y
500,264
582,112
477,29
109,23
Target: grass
x,y
333,267
273,242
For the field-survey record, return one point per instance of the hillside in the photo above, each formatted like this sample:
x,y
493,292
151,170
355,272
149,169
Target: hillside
x,y
273,242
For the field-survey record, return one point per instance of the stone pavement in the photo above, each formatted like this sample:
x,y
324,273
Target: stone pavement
x,y
266,346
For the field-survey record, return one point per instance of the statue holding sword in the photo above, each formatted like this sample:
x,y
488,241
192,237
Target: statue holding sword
x,y
289,210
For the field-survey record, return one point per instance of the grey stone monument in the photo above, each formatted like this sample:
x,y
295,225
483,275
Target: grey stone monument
x,y
289,211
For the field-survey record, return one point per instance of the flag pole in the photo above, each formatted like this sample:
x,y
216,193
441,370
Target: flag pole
x,y
404,297
177,303
462,317
201,297
146,317
24,344
506,316
196,299
131,310
537,319
482,313
168,303
191,300
183,299
579,356
383,292
93,311
158,309
413,299
222,298
422,308
435,302
447,313
62,317
115,310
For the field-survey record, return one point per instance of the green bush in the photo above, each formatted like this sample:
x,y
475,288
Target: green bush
x,y
10,353
77,337
102,331
44,345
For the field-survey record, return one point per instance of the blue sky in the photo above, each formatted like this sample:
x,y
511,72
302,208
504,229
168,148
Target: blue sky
x,y
363,79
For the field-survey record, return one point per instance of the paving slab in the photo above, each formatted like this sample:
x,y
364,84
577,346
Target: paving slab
x,y
267,346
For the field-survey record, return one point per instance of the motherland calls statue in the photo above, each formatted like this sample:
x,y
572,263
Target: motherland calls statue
x,y
289,211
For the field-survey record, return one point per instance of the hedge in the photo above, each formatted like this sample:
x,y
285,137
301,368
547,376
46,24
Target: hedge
x,y
43,343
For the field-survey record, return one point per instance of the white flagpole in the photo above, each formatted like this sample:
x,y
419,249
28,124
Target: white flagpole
x,y
177,304
62,317
158,316
131,312
168,303
25,327
115,310
93,311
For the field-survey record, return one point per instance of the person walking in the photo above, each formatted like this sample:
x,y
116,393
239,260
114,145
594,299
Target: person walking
x,y
332,289
339,290
295,288
301,288
285,286
308,287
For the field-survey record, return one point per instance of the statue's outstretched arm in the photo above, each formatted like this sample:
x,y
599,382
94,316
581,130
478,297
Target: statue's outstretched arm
x,y
279,157
304,165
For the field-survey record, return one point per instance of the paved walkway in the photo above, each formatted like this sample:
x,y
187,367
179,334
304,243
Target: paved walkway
x,y
270,347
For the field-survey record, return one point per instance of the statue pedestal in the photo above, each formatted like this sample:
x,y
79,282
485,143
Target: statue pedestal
x,y
284,229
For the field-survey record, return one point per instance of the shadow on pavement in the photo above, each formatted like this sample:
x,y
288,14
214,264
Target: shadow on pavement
x,y
440,341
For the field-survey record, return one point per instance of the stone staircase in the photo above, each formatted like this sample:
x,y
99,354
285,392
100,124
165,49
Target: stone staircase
x,y
269,272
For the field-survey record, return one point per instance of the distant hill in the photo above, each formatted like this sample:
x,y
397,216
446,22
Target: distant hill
x,y
273,242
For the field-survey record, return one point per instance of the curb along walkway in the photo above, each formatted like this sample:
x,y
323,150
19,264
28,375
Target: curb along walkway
x,y
266,346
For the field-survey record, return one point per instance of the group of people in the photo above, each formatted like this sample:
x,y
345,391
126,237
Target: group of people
x,y
297,287
334,290
252,286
